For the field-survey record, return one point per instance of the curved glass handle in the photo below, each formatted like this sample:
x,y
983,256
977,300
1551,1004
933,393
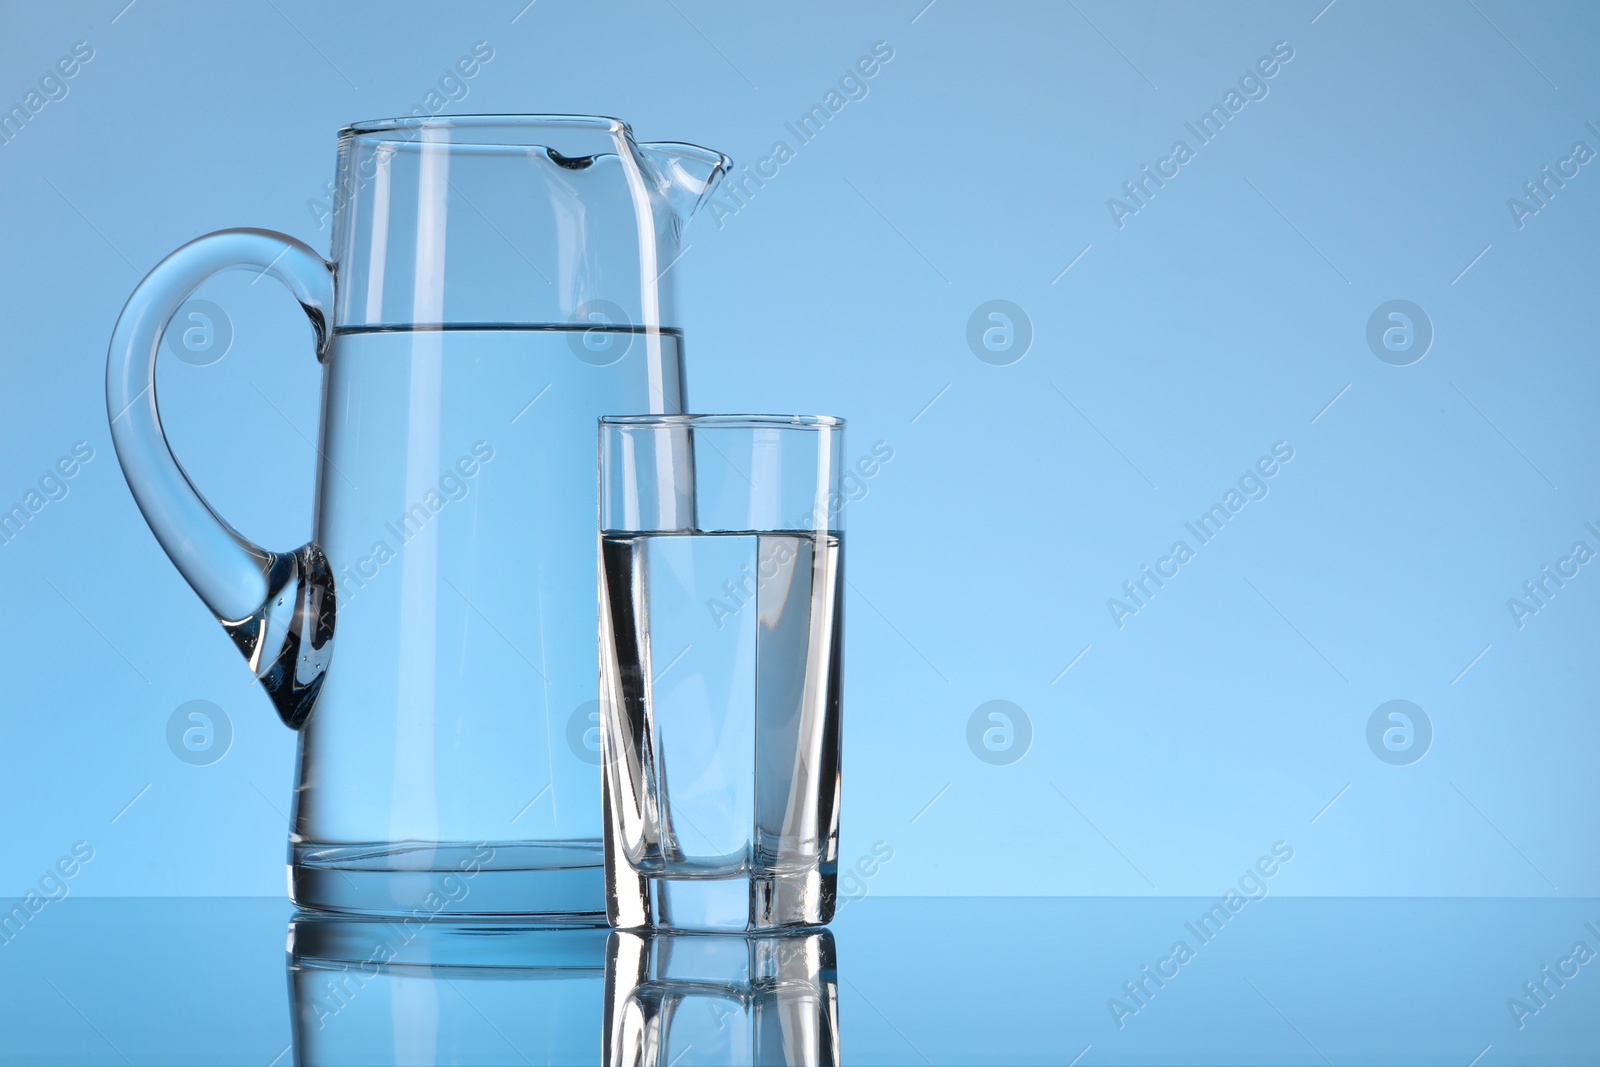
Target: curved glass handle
x,y
278,608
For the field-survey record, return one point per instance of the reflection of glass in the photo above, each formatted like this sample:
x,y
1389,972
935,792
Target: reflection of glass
x,y
726,999
416,991
720,620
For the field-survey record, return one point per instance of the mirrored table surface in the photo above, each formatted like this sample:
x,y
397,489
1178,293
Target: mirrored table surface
x,y
936,981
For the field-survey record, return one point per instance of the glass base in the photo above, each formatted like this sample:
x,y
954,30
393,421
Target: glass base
x,y
537,880
744,903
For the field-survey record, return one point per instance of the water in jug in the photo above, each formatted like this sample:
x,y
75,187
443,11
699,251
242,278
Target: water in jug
x,y
496,284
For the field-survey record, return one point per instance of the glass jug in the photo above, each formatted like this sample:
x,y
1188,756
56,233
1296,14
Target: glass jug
x,y
496,284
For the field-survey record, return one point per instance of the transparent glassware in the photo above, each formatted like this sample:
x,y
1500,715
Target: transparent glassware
x,y
496,284
721,614
364,992
735,1000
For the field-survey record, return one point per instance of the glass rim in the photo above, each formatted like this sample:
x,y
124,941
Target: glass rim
x,y
732,422
367,127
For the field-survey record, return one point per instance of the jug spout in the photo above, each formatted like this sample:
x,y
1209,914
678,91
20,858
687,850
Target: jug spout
x,y
690,174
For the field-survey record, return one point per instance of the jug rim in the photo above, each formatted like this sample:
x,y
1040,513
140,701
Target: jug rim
x,y
411,123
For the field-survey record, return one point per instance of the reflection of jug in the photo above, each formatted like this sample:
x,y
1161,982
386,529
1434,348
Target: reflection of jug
x,y
501,282
736,1000
365,992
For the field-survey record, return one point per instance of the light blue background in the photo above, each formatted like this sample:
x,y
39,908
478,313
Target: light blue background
x,y
1222,318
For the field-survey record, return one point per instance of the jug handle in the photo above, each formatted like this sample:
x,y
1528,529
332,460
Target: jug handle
x,y
277,607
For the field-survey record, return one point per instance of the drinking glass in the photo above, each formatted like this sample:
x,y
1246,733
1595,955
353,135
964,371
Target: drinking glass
x,y
720,638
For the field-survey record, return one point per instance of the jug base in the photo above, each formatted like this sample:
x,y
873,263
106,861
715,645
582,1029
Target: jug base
x,y
545,881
